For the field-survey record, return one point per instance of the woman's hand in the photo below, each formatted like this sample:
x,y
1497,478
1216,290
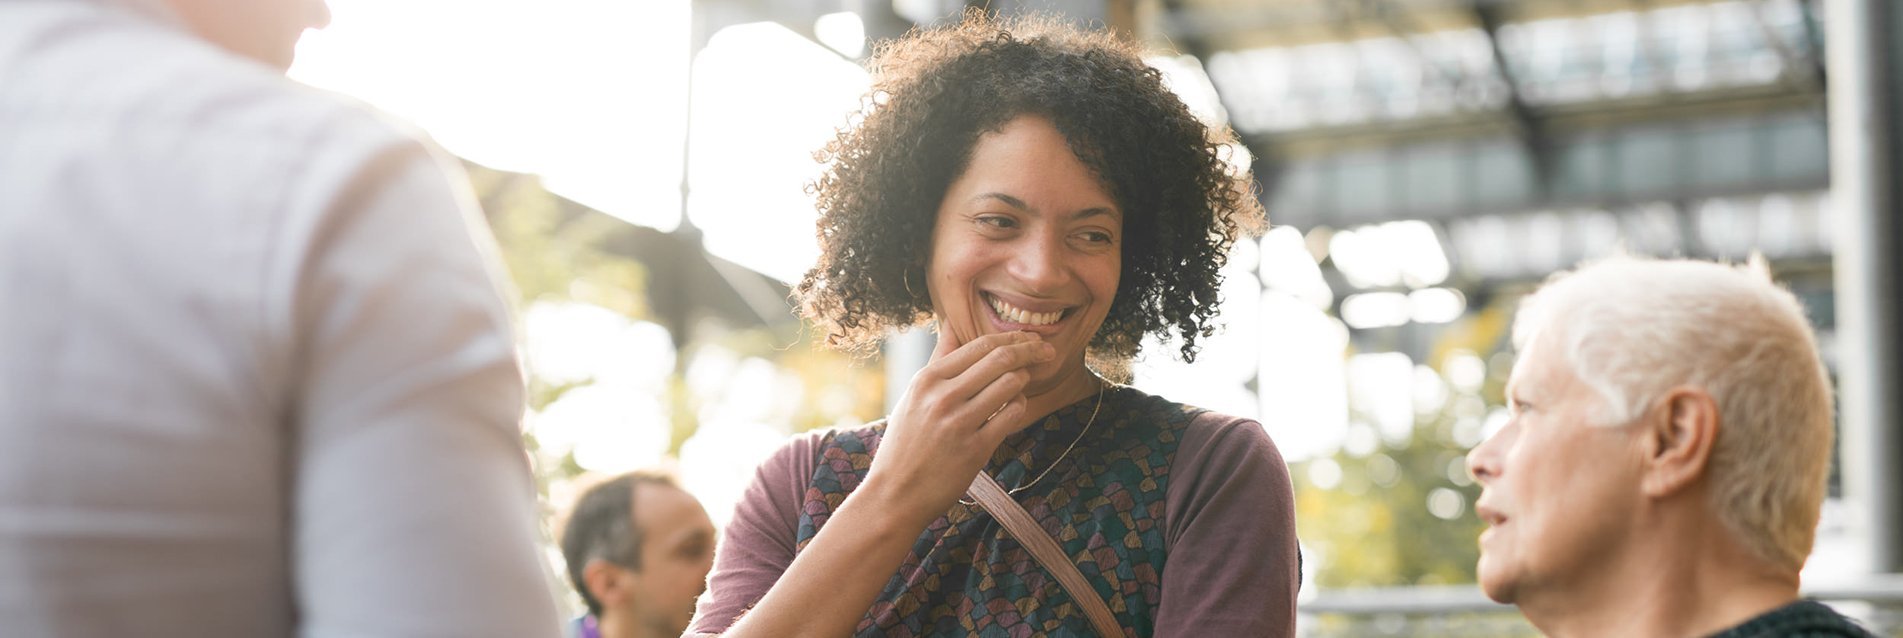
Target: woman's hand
x,y
952,418
939,436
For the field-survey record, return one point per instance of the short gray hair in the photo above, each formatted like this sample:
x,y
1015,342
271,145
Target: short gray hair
x,y
601,527
1633,328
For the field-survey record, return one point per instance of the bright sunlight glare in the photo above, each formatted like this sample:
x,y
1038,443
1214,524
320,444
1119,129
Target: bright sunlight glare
x,y
589,94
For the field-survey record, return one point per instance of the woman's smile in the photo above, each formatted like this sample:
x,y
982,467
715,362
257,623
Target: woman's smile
x,y
1040,318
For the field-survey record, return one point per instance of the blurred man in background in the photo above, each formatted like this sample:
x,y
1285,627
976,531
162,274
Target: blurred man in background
x,y
256,375
1665,465
638,550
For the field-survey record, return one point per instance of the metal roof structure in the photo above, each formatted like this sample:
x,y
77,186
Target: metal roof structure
x,y
1591,112
1477,115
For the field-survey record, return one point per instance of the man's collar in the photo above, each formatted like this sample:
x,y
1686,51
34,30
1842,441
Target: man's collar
x,y
156,10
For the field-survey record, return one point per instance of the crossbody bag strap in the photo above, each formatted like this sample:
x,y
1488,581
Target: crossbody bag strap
x,y
1017,522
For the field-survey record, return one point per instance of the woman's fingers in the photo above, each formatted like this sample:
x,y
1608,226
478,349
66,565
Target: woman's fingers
x,y
1001,361
991,401
947,390
950,364
944,345
1008,421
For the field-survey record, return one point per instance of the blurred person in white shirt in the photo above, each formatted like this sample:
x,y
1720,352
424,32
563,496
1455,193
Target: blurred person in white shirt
x,y
257,377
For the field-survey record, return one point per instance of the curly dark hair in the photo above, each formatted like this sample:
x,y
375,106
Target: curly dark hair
x,y
935,91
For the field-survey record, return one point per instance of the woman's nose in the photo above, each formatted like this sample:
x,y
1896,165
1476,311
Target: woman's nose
x,y
1039,265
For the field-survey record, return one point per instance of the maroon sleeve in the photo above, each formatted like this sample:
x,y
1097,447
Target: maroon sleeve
x,y
1233,568
758,543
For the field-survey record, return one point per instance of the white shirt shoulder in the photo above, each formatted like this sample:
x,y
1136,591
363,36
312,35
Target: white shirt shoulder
x,y
256,375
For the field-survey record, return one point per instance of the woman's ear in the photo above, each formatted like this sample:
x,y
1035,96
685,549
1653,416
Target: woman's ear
x,y
1679,434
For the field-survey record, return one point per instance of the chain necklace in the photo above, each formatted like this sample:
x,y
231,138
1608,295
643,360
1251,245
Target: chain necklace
x,y
1060,457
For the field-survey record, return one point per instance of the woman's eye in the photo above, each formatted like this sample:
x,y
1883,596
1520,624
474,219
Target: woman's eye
x,y
997,221
1097,237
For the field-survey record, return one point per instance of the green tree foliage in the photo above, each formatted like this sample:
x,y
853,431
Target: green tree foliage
x,y
1374,526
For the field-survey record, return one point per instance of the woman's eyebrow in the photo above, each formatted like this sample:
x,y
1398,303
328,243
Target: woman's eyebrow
x,y
1007,199
1020,205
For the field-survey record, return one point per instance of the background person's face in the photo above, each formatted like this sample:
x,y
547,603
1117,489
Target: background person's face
x,y
263,30
1559,490
1027,239
677,550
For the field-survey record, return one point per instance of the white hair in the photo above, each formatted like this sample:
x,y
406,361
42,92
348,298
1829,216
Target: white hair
x,y
1633,328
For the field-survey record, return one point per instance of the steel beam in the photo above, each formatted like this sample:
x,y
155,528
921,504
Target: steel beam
x,y
1531,130
1864,154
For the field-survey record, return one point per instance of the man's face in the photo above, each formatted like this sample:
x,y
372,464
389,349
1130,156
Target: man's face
x,y
677,550
1560,490
263,30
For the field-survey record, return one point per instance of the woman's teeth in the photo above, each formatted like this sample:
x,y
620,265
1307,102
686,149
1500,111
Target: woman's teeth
x,y
1015,314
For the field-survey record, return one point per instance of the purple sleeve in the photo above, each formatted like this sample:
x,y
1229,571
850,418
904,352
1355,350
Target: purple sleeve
x,y
1232,567
758,543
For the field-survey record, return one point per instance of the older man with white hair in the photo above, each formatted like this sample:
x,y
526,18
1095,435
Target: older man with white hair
x,y
1665,464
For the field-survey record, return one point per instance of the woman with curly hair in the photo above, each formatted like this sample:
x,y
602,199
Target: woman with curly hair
x,y
1038,195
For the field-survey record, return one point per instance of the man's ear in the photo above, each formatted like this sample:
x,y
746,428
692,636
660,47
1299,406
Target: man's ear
x,y
1679,434
605,582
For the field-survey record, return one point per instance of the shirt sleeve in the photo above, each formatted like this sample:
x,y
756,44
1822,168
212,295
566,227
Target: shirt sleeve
x,y
413,510
1233,566
760,540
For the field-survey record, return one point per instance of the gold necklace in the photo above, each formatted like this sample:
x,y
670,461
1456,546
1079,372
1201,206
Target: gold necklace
x,y
1060,457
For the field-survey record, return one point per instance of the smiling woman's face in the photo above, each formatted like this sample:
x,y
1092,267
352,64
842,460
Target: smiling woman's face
x,y
1027,239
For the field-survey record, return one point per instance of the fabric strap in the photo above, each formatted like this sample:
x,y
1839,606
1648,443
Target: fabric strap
x,y
991,496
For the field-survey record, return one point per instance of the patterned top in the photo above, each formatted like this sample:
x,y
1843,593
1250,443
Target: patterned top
x,y
1150,484
1801,619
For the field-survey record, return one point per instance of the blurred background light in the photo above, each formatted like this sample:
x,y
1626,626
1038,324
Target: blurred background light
x,y
1375,310
1380,387
1436,305
764,99
1301,383
843,32
1185,77
1288,267
532,86
1445,504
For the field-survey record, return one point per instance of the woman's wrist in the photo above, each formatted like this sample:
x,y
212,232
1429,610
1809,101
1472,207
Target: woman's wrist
x,y
891,507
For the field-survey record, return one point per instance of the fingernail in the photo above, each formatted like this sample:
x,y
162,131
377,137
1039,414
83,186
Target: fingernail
x,y
1047,350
